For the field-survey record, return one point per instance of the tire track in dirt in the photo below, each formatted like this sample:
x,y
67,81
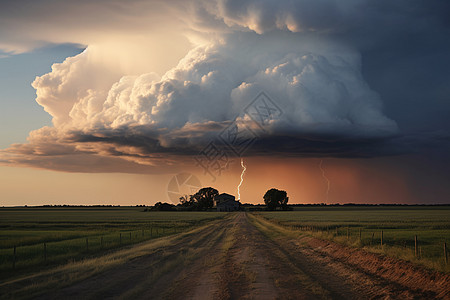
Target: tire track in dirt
x,y
199,279
230,271
250,267
137,276
245,273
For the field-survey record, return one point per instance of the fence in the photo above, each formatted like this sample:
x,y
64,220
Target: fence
x,y
371,238
47,253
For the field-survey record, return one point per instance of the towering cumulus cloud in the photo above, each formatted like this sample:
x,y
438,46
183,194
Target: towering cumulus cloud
x,y
148,120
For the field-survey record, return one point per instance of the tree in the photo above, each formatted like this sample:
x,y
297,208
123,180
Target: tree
x,y
163,206
186,201
201,200
204,198
274,198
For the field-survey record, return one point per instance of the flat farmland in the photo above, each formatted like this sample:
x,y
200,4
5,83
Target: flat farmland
x,y
413,233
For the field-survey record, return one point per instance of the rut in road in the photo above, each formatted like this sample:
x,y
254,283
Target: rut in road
x,y
247,268
145,276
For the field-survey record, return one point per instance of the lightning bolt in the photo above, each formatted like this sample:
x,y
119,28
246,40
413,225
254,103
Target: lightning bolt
x,y
242,178
326,179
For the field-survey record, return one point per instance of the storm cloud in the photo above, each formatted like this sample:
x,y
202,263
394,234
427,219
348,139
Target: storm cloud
x,y
309,57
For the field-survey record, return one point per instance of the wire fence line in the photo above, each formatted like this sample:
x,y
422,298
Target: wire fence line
x,y
373,238
50,252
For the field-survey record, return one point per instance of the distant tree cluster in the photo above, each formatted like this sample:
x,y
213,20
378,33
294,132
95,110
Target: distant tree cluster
x,y
159,206
202,200
275,198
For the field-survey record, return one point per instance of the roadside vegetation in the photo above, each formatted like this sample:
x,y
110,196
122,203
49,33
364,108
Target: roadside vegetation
x,y
415,234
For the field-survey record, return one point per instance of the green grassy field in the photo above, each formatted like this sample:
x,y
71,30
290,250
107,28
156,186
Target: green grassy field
x,y
400,225
45,237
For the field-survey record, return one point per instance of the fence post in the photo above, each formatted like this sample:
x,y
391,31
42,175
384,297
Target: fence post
x,y
371,241
14,259
45,252
87,244
120,239
130,236
445,252
415,246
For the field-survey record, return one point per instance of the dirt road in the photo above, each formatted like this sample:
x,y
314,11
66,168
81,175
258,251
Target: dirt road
x,y
243,257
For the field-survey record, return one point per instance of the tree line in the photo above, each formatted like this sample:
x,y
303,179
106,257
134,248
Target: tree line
x,y
203,200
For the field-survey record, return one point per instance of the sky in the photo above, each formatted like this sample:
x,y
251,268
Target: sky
x,y
108,102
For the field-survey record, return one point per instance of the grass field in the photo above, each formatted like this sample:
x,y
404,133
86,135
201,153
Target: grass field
x,y
45,237
400,225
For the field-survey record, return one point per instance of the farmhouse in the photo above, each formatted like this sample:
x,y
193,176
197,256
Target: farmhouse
x,y
226,202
